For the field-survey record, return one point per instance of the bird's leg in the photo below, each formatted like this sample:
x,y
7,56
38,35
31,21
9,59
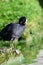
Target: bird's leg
x,y
12,46
16,42
11,43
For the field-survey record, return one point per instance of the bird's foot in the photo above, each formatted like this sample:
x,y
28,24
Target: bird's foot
x,y
16,51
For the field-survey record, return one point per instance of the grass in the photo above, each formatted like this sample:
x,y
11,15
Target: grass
x,y
32,38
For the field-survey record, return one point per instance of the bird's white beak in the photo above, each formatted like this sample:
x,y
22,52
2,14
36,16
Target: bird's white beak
x,y
26,21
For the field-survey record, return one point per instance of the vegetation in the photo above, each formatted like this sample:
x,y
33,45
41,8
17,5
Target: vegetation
x,y
32,38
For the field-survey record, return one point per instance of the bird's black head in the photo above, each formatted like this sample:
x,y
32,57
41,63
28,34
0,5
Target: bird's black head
x,y
22,20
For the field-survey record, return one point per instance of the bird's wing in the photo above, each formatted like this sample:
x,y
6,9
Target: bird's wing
x,y
6,29
17,30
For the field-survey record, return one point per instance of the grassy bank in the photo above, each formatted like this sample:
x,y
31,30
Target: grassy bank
x,y
32,38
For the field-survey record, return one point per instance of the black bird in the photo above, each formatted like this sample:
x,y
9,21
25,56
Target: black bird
x,y
13,30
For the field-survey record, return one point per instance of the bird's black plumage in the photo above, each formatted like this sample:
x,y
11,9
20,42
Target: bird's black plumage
x,y
13,30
